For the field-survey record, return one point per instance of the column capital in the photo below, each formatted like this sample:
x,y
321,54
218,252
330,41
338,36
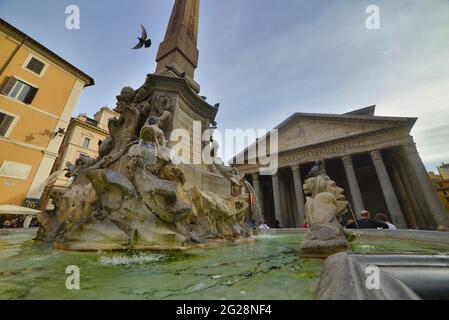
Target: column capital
x,y
255,175
409,148
347,160
376,154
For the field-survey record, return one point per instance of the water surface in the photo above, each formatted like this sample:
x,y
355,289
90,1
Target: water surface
x,y
267,268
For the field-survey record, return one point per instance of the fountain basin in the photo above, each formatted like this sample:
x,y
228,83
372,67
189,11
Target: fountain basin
x,y
267,268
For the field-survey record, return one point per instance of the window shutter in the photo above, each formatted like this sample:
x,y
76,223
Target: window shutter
x,y
9,85
35,65
5,122
30,96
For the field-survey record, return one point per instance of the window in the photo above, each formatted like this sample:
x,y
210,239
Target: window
x,y
92,122
86,142
35,65
5,123
19,90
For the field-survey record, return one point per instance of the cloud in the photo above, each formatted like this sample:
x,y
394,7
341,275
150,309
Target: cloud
x,y
264,60
327,61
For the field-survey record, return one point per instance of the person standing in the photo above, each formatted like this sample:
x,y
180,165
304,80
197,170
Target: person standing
x,y
380,217
6,224
365,222
305,225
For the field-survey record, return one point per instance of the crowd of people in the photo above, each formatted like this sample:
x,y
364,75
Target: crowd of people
x,y
12,222
380,221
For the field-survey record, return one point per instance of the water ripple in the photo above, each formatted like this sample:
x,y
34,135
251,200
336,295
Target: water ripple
x,y
129,260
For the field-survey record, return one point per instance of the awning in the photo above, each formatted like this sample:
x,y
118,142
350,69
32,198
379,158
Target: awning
x,y
13,209
18,210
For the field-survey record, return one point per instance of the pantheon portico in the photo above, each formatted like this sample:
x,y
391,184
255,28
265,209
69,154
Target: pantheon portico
x,y
373,158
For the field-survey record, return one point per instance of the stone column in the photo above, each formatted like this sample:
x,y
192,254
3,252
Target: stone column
x,y
410,216
354,188
416,199
323,166
390,197
285,212
277,199
258,191
438,211
299,195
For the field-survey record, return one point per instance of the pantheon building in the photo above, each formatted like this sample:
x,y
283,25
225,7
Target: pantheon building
x,y
374,158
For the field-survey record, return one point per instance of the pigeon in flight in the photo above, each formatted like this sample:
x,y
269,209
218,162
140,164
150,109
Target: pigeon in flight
x,y
143,41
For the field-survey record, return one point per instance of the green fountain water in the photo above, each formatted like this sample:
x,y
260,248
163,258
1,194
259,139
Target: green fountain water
x,y
267,268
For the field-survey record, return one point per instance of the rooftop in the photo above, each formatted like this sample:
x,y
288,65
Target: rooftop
x,y
18,35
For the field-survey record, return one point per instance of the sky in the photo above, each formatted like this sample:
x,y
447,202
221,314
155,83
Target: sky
x,y
263,60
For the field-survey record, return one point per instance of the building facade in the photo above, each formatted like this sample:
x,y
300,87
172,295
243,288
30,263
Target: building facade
x,y
82,139
373,158
443,170
39,91
441,183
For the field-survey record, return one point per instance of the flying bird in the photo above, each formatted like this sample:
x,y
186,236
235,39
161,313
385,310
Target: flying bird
x,y
143,41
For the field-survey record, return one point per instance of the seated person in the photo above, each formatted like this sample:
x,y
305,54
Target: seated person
x,y
263,226
252,223
6,224
380,217
365,222
305,225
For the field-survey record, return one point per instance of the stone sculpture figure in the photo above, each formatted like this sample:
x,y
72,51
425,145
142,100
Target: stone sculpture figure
x,y
218,166
75,170
325,200
324,205
134,196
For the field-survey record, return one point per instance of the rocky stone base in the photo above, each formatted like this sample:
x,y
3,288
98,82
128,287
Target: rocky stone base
x,y
322,249
324,240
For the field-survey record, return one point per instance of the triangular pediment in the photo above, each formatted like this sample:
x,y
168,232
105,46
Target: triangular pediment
x,y
307,129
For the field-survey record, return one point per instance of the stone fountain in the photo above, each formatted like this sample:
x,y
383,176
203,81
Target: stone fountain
x,y
137,194
134,196
325,204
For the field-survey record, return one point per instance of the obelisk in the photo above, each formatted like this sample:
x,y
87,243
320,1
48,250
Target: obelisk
x,y
179,50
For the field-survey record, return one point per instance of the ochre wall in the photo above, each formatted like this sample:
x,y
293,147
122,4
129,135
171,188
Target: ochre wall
x,y
32,133
13,191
